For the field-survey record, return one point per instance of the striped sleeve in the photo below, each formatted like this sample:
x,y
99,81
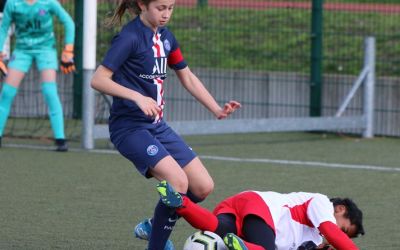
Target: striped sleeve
x,y
175,58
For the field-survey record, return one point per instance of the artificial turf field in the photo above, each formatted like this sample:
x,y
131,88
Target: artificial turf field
x,y
92,200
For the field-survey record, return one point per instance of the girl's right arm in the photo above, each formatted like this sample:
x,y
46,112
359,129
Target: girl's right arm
x,y
102,81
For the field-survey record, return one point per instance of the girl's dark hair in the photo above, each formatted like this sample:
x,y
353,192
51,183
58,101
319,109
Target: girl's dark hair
x,y
126,5
352,212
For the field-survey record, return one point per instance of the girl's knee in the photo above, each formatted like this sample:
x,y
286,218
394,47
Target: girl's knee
x,y
204,190
180,185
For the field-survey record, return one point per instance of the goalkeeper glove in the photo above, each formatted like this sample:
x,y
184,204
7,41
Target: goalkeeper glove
x,y
67,64
3,67
310,245
307,245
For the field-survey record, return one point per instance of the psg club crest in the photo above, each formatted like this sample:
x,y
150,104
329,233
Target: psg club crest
x,y
152,150
167,45
42,12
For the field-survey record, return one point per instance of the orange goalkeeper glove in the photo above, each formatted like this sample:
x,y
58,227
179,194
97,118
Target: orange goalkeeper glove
x,y
67,64
3,67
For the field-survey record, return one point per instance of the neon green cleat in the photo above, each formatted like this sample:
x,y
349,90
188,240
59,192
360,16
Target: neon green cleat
x,y
168,195
234,242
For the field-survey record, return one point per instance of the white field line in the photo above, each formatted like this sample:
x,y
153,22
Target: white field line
x,y
303,163
236,159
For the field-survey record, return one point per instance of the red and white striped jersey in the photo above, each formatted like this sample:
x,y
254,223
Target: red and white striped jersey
x,y
297,216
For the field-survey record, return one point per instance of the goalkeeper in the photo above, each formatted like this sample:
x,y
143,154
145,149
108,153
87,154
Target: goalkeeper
x,y
35,41
254,220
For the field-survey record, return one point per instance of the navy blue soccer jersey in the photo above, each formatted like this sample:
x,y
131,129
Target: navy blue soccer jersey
x,y
138,58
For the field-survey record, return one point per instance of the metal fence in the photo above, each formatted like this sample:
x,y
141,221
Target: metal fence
x,y
257,52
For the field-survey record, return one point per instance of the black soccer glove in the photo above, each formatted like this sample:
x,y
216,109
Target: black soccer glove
x,y
67,64
307,245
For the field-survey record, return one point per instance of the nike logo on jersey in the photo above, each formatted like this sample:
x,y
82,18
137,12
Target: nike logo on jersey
x,y
173,219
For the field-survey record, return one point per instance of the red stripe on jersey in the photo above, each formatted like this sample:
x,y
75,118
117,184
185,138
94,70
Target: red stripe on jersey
x,y
156,46
175,57
299,213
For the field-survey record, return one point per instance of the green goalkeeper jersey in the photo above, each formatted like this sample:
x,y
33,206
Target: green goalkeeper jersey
x,y
34,24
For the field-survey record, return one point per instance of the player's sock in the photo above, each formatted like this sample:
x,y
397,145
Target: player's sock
x,y
163,222
6,98
49,91
197,216
252,246
193,197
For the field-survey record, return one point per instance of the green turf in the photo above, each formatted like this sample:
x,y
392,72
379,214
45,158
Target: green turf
x,y
83,200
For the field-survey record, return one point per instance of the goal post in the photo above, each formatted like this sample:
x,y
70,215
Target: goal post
x,y
89,66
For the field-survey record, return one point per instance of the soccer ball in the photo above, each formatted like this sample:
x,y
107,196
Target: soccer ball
x,y
204,240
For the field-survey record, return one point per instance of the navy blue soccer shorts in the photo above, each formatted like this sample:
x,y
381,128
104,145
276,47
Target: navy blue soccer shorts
x,y
146,147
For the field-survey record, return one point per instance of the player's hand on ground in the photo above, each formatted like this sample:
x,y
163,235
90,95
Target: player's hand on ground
x,y
3,67
228,109
148,106
325,247
67,64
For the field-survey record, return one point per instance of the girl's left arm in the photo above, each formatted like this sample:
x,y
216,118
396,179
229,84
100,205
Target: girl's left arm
x,y
196,88
336,237
5,24
66,20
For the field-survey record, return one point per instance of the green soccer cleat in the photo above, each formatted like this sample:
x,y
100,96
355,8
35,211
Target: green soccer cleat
x,y
233,242
168,195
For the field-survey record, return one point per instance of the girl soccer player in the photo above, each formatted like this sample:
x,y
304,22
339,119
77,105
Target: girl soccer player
x,y
254,220
133,72
35,41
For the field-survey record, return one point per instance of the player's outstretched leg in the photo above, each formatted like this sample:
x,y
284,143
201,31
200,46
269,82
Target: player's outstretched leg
x,y
233,242
168,195
143,231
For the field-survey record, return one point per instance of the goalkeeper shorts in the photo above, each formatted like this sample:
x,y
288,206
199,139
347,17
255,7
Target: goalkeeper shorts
x,y
21,60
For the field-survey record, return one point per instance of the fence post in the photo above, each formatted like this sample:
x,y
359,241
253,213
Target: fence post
x,y
316,58
78,75
369,87
202,3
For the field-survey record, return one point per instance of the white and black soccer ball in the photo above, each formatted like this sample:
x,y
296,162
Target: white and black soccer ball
x,y
204,240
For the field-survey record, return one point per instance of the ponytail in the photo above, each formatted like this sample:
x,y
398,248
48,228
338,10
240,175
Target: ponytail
x,y
131,5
